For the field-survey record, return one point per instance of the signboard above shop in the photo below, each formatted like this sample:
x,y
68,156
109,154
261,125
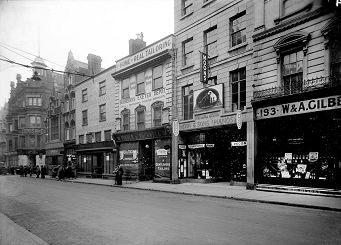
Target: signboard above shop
x,y
299,107
146,53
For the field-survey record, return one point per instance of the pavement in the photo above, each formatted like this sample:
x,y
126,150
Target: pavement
x,y
13,234
225,190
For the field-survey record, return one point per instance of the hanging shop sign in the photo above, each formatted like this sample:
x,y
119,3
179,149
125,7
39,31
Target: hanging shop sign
x,y
176,127
238,143
208,98
146,53
299,107
204,67
239,119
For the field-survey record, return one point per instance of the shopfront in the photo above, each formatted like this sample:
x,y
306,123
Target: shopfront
x,y
299,143
145,154
217,154
96,160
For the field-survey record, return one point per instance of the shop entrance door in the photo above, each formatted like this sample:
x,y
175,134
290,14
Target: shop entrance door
x,y
238,163
98,162
146,160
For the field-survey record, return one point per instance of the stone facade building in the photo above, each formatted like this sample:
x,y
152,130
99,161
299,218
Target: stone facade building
x,y
145,83
27,109
214,78
297,96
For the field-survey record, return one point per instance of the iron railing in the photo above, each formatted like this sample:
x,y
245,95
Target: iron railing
x,y
297,87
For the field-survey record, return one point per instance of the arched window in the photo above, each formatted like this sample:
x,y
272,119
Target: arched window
x,y
125,119
292,61
331,33
157,113
67,131
73,129
140,112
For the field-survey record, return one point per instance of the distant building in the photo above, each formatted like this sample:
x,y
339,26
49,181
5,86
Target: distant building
x,y
3,113
27,113
61,121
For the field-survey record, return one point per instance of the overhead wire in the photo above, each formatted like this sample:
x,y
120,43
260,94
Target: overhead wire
x,y
46,69
2,44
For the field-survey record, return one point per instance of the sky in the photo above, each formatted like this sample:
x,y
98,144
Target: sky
x,y
52,28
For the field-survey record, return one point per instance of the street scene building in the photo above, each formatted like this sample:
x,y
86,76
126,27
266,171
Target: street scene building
x,y
96,113
26,116
145,79
297,97
232,96
214,89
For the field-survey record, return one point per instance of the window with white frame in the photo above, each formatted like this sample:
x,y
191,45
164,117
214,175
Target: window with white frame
x,y
187,51
89,138
157,77
140,117
292,72
81,139
187,101
186,7
98,136
140,83
69,79
34,101
84,95
54,128
238,29
67,131
102,88
157,113
210,40
102,113
22,122
107,135
125,88
125,119
238,84
35,121
85,117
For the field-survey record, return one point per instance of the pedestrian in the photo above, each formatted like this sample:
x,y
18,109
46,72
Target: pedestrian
x,y
37,171
43,171
119,174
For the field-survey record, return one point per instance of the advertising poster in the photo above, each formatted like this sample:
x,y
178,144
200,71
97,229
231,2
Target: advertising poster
x,y
162,159
128,158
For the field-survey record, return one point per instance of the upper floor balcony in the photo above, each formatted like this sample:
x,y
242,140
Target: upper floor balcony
x,y
296,87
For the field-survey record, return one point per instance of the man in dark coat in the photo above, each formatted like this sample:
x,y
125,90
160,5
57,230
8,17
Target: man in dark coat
x,y
119,175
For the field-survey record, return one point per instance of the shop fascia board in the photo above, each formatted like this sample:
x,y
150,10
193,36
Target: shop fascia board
x,y
142,65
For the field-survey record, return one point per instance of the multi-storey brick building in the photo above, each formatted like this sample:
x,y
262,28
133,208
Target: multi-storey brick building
x,y
211,102
27,109
297,96
96,114
145,79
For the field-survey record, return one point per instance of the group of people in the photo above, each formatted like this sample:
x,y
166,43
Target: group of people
x,y
39,171
64,171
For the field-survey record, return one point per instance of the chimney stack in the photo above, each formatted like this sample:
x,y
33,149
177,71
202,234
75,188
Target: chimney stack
x,y
137,44
94,64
